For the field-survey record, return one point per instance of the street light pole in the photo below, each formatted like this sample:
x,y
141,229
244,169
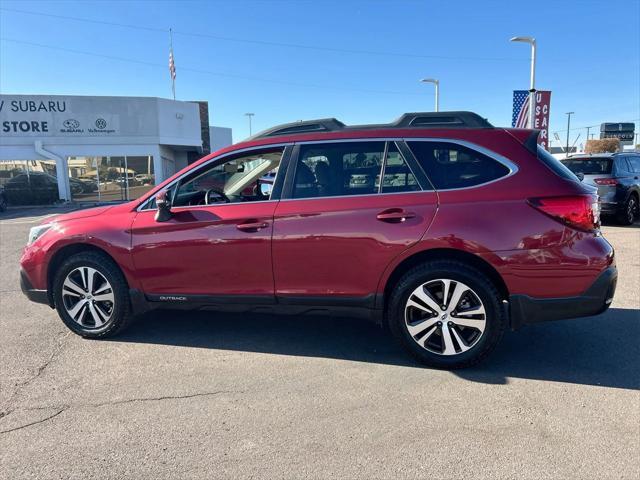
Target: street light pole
x,y
532,87
568,125
437,86
249,115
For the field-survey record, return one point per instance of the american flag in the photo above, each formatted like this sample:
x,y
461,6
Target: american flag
x,y
172,65
520,117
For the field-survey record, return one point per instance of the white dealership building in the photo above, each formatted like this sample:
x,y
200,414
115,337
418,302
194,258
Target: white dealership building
x,y
98,148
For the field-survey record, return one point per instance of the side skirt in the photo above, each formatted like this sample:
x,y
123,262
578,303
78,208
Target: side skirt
x,y
360,307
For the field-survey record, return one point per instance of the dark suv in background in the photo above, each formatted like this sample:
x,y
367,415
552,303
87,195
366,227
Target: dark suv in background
x,y
617,178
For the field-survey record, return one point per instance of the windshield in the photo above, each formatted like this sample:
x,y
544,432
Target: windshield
x,y
589,166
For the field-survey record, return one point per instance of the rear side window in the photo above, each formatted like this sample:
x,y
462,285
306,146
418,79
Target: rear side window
x,y
397,176
589,166
634,161
336,169
555,165
449,165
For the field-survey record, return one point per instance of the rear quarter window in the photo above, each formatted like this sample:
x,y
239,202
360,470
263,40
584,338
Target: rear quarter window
x,y
450,165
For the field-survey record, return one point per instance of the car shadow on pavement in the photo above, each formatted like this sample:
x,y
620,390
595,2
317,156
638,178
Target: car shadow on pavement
x,y
602,350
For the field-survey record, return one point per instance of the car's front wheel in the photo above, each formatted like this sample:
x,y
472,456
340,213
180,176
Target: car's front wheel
x,y
91,295
446,314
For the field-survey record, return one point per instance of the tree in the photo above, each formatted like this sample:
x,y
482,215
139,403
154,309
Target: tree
x,y
603,145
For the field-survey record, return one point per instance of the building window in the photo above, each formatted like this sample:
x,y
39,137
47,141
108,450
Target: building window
x,y
110,179
29,182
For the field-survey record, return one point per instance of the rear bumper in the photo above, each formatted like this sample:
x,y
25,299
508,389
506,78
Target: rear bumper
x,y
611,208
38,296
596,299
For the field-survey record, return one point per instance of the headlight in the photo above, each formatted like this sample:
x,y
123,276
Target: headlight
x,y
37,231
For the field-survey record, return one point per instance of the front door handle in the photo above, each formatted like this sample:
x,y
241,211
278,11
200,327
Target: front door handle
x,y
252,226
394,215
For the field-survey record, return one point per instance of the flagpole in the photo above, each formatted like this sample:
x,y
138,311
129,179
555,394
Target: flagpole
x,y
173,78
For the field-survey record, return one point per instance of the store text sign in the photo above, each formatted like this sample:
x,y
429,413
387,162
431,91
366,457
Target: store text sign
x,y
24,115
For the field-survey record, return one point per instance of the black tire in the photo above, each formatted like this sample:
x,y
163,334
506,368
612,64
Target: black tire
x,y
121,313
3,203
457,271
630,211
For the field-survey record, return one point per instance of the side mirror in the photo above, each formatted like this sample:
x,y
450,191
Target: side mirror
x,y
163,202
265,189
580,176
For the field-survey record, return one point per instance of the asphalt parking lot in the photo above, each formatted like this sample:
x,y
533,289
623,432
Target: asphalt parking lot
x,y
184,395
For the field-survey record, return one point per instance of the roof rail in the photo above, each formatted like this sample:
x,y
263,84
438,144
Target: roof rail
x,y
441,120
308,126
460,119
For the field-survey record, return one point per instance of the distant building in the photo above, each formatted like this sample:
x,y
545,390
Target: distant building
x,y
219,137
96,148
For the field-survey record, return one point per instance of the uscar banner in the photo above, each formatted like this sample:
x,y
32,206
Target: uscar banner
x,y
520,117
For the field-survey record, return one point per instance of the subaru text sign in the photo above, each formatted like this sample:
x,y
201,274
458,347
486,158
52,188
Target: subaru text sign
x,y
39,115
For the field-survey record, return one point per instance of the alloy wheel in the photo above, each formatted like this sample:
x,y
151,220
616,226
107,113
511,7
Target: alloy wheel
x,y
88,297
445,317
631,210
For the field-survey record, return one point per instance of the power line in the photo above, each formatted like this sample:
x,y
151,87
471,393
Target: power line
x,y
594,126
262,42
207,72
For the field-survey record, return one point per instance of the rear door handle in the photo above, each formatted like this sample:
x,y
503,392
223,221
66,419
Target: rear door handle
x,y
394,215
252,226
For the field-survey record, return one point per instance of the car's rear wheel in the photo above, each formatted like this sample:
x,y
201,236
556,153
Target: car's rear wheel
x,y
91,295
446,314
630,212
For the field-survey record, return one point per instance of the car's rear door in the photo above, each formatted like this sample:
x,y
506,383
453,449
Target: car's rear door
x,y
348,209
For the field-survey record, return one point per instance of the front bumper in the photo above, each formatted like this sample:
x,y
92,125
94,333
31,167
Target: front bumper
x,y
596,299
38,296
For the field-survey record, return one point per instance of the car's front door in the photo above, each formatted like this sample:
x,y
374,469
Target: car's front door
x,y
217,242
348,215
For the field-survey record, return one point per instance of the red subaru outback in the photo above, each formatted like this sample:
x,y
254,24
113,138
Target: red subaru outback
x,y
442,227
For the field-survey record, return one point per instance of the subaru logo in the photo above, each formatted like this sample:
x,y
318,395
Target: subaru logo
x,y
71,123
101,123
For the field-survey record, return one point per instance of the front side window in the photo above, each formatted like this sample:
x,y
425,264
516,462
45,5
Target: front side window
x,y
241,179
450,165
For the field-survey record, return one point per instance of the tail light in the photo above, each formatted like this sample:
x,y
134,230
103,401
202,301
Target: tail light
x,y
577,211
606,181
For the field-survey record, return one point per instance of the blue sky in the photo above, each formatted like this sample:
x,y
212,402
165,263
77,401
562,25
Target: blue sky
x,y
358,61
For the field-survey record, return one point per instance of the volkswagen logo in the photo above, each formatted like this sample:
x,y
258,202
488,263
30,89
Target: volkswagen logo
x,y
71,123
101,123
